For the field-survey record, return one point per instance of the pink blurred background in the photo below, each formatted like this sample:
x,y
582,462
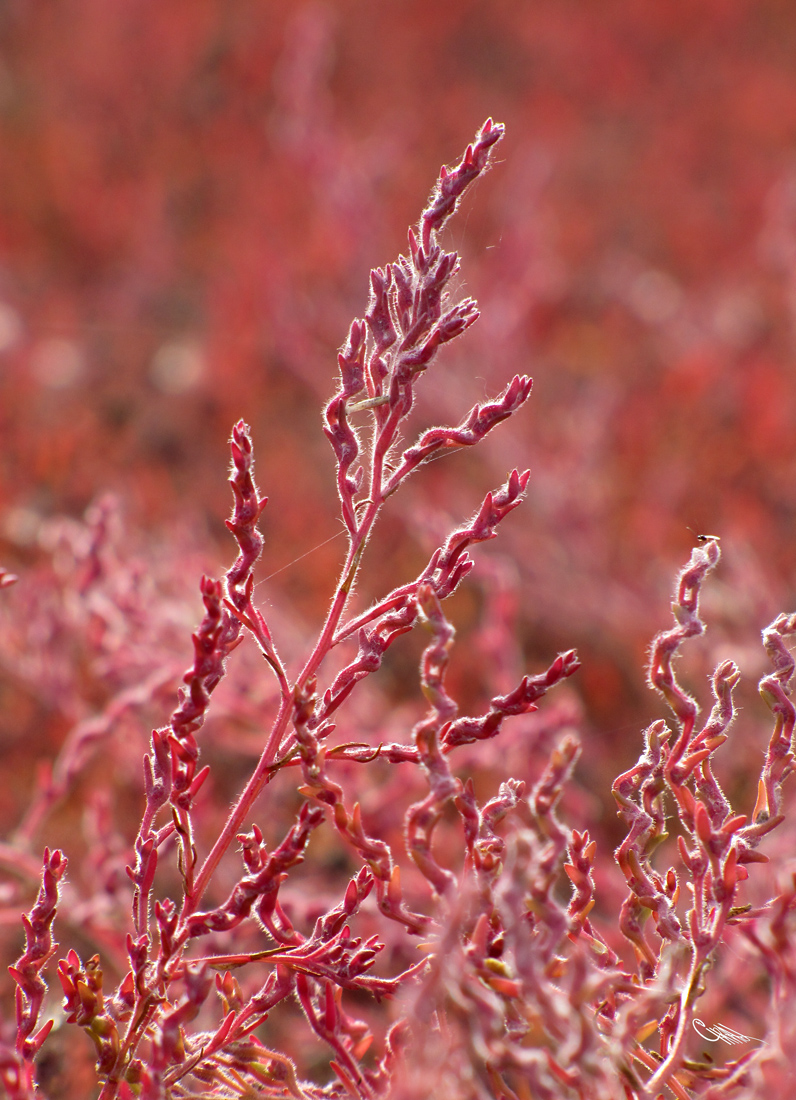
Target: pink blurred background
x,y
192,194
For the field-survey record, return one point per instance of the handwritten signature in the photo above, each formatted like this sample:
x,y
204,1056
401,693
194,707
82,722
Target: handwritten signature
x,y
718,1032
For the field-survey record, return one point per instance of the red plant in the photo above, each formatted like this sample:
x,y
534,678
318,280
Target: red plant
x,y
518,991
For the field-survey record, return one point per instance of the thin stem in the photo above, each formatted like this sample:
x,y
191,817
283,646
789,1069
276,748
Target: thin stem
x,y
240,810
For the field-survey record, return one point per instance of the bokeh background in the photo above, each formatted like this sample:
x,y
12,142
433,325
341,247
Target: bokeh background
x,y
192,193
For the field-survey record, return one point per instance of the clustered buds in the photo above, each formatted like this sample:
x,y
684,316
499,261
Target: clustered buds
x,y
407,320
479,421
715,844
84,1004
521,700
453,182
17,1072
779,763
422,817
262,885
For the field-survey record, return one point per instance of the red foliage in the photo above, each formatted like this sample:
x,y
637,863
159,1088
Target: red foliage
x,y
191,196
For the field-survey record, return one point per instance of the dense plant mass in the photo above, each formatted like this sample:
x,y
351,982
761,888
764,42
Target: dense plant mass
x,y
384,912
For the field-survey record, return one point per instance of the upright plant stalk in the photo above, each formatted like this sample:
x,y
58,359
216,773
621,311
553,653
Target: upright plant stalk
x,y
405,325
